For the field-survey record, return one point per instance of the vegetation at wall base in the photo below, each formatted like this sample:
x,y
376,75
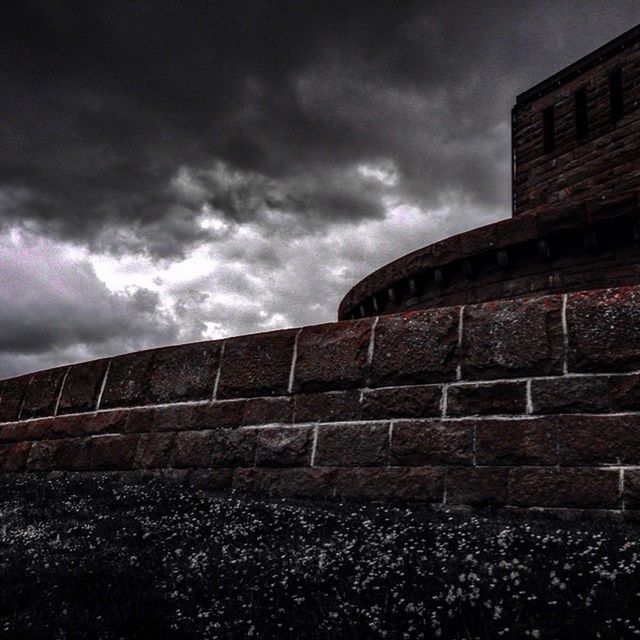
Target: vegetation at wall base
x,y
88,557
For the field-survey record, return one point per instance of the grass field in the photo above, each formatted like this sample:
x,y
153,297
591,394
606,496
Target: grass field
x,y
91,558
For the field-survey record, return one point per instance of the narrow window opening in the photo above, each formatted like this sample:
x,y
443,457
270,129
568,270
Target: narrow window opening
x,y
548,130
582,122
616,103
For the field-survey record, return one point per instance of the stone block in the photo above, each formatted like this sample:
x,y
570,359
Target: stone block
x,y
599,440
431,442
632,488
82,387
41,395
108,452
211,479
184,372
487,399
127,381
604,330
215,448
402,402
284,446
477,486
574,487
513,338
332,356
257,365
517,442
415,347
334,406
154,450
13,393
352,445
416,484
65,454
570,395
268,411
13,457
624,392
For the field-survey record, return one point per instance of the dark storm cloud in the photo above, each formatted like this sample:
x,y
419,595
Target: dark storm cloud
x,y
104,103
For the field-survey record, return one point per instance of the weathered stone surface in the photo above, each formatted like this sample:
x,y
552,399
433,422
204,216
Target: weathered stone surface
x,y
477,486
352,445
268,411
575,487
13,457
284,446
215,448
332,356
604,330
513,338
257,365
31,430
632,488
415,347
127,380
487,399
334,406
517,442
107,452
597,440
417,484
570,395
154,450
13,393
402,402
42,393
302,483
63,454
82,387
430,442
184,372
624,392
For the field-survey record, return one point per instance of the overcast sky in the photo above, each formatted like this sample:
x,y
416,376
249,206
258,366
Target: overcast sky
x,y
177,171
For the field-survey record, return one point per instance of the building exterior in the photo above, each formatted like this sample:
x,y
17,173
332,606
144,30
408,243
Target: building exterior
x,y
576,135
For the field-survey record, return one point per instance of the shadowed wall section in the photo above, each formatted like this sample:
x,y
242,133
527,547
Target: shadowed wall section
x,y
531,402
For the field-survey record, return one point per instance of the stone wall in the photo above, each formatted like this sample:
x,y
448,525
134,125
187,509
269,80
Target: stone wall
x,y
523,403
604,161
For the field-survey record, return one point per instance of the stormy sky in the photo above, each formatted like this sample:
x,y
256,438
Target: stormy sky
x,y
176,171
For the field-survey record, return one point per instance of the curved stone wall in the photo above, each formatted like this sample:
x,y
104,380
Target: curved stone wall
x,y
524,403
589,246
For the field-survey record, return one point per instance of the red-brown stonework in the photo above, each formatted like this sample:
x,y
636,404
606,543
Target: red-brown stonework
x,y
108,452
415,347
336,406
517,442
477,486
13,393
332,356
570,395
430,442
599,440
352,445
513,338
42,393
154,450
582,488
127,382
57,455
604,330
402,402
624,392
482,399
284,446
302,483
257,365
632,489
268,410
13,457
215,448
82,386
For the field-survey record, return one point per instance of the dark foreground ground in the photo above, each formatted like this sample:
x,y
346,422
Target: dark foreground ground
x,y
96,559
